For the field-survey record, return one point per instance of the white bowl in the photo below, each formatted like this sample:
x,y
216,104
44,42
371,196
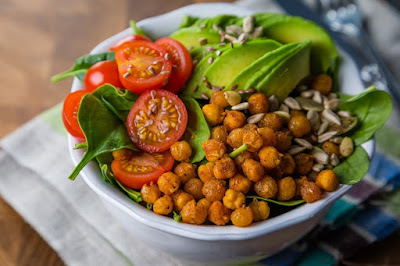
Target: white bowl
x,y
207,243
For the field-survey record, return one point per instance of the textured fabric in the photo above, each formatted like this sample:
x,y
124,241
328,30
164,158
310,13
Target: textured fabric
x,y
72,219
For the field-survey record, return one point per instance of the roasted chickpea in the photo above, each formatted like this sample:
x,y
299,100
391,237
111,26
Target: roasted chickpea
x,y
283,140
268,136
235,138
294,112
163,205
299,183
181,151
239,160
304,163
180,198
233,199
194,186
269,157
331,148
322,83
272,121
219,133
310,192
185,171
218,213
224,168
327,180
213,149
214,190
242,217
299,125
287,164
266,187
194,214
250,127
150,193
253,140
286,188
253,170
214,114
234,119
205,172
275,172
240,183
258,103
260,210
168,183
219,99
204,203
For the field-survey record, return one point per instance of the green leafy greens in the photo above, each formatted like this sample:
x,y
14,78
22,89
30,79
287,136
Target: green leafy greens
x,y
282,203
353,168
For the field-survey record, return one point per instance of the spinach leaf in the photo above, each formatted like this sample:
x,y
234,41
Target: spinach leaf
x,y
149,206
282,203
133,194
177,217
103,131
372,108
353,168
116,100
82,64
135,29
187,21
197,130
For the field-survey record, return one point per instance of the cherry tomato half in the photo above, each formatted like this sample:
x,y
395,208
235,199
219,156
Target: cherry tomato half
x,y
182,63
129,38
142,66
157,120
70,113
101,73
134,169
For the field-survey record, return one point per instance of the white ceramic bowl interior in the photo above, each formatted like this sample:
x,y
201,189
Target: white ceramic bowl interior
x,y
226,243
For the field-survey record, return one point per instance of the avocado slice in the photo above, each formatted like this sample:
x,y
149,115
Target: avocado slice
x,y
287,29
223,70
220,20
284,77
200,52
190,37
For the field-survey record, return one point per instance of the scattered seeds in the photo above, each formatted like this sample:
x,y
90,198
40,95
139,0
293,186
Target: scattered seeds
x,y
313,117
167,56
126,75
216,27
332,95
344,113
331,117
258,31
318,167
151,70
243,37
317,97
202,26
204,79
218,52
204,96
314,138
296,149
231,44
241,91
153,94
208,85
326,136
222,43
346,147
230,38
232,97
332,104
273,103
210,49
210,60
284,115
250,90
248,24
216,88
304,143
195,88
284,108
292,103
165,72
347,124
308,104
241,106
337,140
301,88
334,159
324,126
307,94
254,119
321,157
203,41
195,62
234,87
234,29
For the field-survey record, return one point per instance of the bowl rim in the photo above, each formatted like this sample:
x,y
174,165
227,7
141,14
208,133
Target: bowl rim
x,y
106,192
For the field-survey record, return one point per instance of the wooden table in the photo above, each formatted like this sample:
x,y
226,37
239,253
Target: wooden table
x,y
39,38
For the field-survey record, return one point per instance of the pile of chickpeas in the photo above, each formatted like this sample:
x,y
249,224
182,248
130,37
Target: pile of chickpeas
x,y
216,190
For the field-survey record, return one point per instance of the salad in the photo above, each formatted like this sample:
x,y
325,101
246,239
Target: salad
x,y
229,120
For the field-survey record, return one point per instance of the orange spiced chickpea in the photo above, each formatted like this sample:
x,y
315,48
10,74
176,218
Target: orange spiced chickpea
x,y
150,193
286,188
214,190
310,192
219,133
181,151
269,157
299,183
205,172
219,99
283,140
253,140
331,148
260,210
235,138
253,170
224,168
240,183
250,127
327,180
213,114
180,198
322,83
266,187
304,163
168,183
192,213
163,205
194,186
213,149
268,136
219,214
258,103
239,160
185,171
233,199
287,164
272,121
234,119
299,125
242,217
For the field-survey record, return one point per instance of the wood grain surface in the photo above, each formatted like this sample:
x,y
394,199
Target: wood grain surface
x,y
39,38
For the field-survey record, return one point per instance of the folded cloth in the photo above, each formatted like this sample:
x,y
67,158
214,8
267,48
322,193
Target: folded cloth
x,y
71,218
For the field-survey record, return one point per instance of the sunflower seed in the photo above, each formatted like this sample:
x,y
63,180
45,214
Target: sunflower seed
x,y
284,108
210,60
314,138
218,52
241,106
329,166
254,119
304,143
346,148
204,96
167,56
126,75
296,149
318,167
332,95
248,24
317,97
344,113
331,117
216,27
208,85
292,103
258,31
308,104
348,123
203,41
234,29
326,136
321,157
250,90
234,87
232,97
273,103
284,115
243,37
337,140
241,91
334,159
323,127
301,88
195,62
332,104
316,126
216,88
324,99
210,49
307,94
312,116
202,26
230,38
204,79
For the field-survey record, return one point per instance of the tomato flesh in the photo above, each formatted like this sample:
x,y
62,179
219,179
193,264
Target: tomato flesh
x,y
142,66
157,120
70,113
101,73
182,63
129,38
135,169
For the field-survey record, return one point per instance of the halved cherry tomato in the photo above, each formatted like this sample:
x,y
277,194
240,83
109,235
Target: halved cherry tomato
x,y
134,169
182,63
101,73
157,120
129,38
70,113
142,66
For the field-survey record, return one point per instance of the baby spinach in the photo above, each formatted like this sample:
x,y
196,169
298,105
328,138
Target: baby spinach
x,y
133,194
177,217
103,131
353,168
135,29
282,203
197,130
82,64
372,108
